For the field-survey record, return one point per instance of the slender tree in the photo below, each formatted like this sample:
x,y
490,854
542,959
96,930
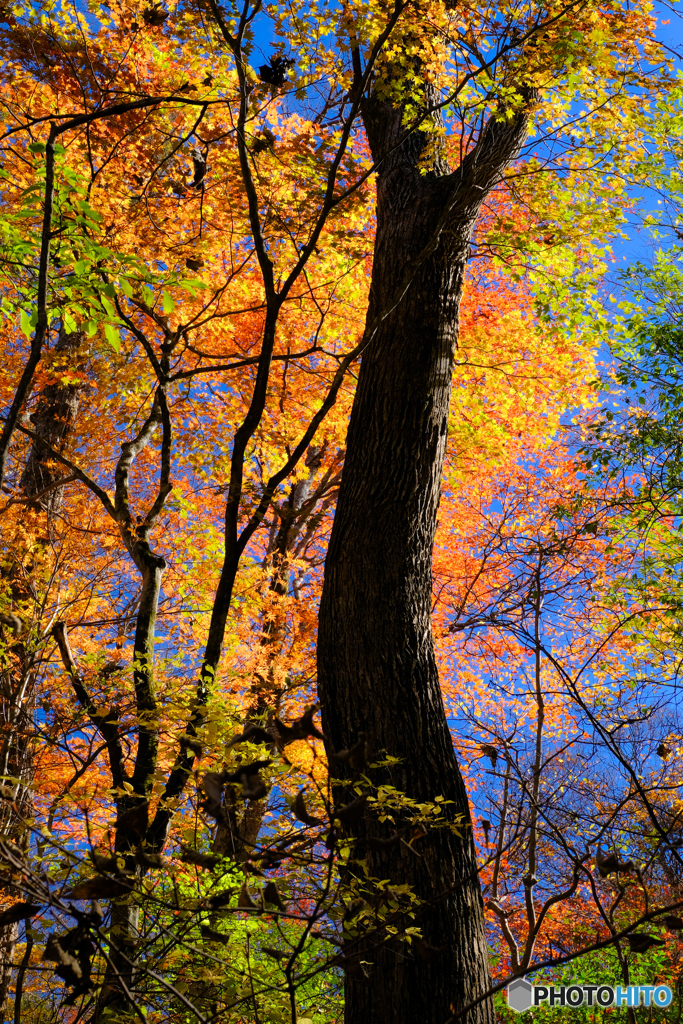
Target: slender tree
x,y
53,421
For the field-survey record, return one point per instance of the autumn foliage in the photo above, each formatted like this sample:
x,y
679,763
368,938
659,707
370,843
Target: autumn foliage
x,y
186,257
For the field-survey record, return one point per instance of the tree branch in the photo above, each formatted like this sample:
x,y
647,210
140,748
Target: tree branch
x,y
102,720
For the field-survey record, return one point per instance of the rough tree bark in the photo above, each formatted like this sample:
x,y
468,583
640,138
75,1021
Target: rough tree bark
x,y
377,671
53,420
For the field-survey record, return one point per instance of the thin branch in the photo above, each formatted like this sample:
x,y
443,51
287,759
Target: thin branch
x,y
105,721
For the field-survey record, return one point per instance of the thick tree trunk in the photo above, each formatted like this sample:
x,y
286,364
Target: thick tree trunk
x,y
377,671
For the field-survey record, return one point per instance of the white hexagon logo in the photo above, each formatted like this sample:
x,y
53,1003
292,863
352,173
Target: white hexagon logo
x,y
520,995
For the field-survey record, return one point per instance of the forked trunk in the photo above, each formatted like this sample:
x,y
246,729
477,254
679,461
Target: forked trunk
x,y
377,671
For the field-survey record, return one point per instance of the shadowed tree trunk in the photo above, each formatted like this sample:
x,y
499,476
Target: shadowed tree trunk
x,y
376,662
52,420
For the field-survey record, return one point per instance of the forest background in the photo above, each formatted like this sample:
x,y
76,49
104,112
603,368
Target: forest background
x,y
192,218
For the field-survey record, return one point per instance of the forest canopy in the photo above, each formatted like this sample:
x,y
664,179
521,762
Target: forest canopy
x,y
341,475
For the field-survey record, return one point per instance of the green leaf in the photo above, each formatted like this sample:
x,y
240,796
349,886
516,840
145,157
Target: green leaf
x,y
70,324
191,285
168,303
88,212
28,322
108,306
113,337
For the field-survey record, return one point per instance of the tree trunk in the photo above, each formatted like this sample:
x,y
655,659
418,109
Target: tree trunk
x,y
53,420
377,671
